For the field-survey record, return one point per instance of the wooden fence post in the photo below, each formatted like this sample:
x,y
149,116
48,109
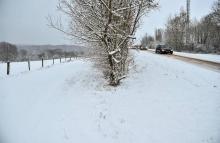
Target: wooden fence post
x,y
60,59
53,61
42,62
29,64
8,68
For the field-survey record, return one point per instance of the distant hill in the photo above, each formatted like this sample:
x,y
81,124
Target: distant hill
x,y
35,51
40,48
48,51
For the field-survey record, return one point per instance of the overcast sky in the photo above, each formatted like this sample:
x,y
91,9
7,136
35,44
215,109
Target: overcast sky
x,y
24,21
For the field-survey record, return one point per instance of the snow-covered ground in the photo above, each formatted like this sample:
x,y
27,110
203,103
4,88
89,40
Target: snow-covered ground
x,y
205,57
162,101
17,68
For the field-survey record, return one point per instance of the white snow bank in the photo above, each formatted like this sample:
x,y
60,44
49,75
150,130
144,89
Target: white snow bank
x,y
162,101
205,57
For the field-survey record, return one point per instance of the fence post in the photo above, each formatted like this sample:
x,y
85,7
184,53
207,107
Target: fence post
x,y
42,62
70,58
8,68
29,64
53,61
60,59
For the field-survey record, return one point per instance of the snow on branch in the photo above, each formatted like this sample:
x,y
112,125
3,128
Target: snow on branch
x,y
115,51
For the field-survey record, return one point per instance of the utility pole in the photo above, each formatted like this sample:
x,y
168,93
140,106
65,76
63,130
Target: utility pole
x,y
187,22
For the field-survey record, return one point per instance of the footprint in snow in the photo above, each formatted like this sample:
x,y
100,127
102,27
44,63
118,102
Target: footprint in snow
x,y
102,116
122,121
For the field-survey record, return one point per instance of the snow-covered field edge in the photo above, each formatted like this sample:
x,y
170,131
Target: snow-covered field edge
x,y
17,68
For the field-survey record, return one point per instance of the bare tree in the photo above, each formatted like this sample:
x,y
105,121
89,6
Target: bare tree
x,y
146,40
8,52
159,35
23,54
106,25
216,21
175,31
207,30
216,12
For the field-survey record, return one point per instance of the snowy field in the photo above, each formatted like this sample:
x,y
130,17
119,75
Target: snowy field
x,y
17,68
163,100
205,57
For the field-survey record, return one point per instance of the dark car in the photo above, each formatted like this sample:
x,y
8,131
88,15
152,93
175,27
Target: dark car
x,y
163,49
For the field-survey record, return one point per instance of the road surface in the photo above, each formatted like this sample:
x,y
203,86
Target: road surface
x,y
202,63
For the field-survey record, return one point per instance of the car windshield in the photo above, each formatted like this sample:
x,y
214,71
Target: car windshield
x,y
161,46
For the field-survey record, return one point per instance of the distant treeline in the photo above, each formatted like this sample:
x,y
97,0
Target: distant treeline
x,y
10,52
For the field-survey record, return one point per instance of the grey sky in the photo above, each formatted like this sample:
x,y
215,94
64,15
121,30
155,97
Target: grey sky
x,y
24,21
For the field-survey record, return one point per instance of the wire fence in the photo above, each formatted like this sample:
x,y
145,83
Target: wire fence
x,y
8,68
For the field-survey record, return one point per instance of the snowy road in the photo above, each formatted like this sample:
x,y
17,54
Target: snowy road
x,y
202,63
201,60
163,100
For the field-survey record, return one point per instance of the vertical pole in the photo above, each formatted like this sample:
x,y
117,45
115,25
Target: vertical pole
x,y
8,68
29,64
70,58
60,59
42,62
187,22
7,53
53,61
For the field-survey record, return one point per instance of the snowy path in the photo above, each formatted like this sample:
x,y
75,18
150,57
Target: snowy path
x,y
162,101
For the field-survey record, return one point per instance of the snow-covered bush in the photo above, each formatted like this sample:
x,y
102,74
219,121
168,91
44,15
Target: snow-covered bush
x,y
108,26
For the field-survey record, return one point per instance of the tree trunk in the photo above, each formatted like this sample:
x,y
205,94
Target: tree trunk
x,y
113,75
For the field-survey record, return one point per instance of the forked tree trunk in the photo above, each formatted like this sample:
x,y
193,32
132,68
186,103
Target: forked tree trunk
x,y
113,74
